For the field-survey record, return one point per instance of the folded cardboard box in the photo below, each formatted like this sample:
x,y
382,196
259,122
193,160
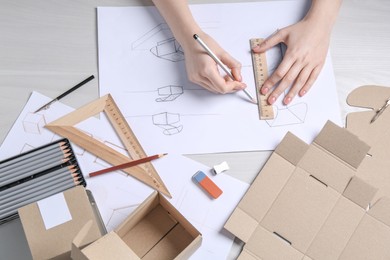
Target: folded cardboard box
x,y
50,225
308,203
155,230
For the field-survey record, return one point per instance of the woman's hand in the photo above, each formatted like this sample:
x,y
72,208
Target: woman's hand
x,y
202,69
307,45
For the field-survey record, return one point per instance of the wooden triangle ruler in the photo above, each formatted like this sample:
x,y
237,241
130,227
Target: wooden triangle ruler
x,y
260,69
64,126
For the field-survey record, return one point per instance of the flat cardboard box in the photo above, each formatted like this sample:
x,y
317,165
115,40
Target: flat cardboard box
x,y
155,230
375,169
56,242
308,203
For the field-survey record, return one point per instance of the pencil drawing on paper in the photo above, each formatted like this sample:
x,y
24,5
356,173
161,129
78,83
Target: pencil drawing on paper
x,y
288,115
118,215
33,123
169,93
169,122
161,43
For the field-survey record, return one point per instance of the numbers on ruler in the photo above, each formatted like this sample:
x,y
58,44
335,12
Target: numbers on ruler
x,y
261,73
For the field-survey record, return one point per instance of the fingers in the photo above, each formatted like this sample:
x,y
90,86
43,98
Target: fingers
x,y
212,80
274,39
233,64
300,83
209,77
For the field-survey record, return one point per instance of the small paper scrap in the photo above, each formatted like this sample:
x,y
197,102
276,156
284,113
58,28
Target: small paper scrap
x,y
219,168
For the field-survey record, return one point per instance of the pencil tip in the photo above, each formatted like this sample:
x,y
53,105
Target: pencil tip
x,y
196,36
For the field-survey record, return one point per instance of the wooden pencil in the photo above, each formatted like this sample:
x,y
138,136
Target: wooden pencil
x,y
127,165
60,174
35,197
24,156
27,193
31,165
44,166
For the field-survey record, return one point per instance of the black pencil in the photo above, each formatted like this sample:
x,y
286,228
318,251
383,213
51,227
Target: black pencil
x,y
45,106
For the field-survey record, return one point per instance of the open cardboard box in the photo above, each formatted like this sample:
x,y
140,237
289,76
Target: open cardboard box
x,y
308,203
155,230
55,242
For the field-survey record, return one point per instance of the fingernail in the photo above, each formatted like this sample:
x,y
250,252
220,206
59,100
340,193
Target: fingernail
x,y
256,48
287,100
303,92
264,91
272,100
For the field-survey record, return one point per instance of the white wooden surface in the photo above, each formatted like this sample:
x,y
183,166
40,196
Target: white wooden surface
x,y
49,45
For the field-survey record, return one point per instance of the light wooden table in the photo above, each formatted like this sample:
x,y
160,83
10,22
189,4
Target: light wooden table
x,y
48,45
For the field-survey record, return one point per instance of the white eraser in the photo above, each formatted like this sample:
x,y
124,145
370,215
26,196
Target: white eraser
x,y
221,168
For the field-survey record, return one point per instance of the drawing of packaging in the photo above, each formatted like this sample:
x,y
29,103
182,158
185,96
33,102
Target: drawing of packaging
x,y
169,93
33,123
168,122
168,49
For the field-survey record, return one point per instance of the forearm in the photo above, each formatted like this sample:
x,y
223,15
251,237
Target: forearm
x,y
323,13
179,18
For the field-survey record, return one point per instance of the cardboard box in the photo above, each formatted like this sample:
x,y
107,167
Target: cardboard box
x,y
307,203
375,169
56,242
155,230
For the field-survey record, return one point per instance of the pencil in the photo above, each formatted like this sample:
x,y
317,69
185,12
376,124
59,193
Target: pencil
x,y
29,173
127,165
44,184
45,106
219,62
61,173
32,163
41,194
29,154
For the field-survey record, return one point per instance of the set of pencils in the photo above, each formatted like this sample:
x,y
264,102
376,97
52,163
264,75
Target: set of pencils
x,y
35,175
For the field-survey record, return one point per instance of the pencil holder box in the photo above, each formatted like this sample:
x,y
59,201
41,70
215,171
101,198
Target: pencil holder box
x,y
37,174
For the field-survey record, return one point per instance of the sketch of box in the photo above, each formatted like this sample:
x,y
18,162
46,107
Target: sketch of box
x,y
168,49
33,123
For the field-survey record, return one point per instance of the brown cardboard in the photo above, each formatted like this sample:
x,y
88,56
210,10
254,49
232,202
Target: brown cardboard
x,y
375,169
155,230
310,204
55,243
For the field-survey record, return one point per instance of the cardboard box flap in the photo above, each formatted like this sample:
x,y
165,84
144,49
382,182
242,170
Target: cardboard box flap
x,y
291,148
300,210
241,224
360,192
375,169
342,144
381,210
57,241
110,246
369,241
368,96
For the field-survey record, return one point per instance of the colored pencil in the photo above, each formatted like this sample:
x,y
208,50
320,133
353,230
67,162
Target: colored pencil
x,y
127,165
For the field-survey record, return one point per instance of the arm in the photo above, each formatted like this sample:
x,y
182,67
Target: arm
x,y
201,69
307,45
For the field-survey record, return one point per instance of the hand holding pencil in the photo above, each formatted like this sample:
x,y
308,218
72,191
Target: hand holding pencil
x,y
203,70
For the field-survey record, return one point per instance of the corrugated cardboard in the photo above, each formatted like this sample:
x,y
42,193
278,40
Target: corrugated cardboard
x,y
308,203
55,243
155,230
375,169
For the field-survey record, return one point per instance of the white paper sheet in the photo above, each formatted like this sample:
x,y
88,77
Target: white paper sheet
x,y
142,66
117,195
54,210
